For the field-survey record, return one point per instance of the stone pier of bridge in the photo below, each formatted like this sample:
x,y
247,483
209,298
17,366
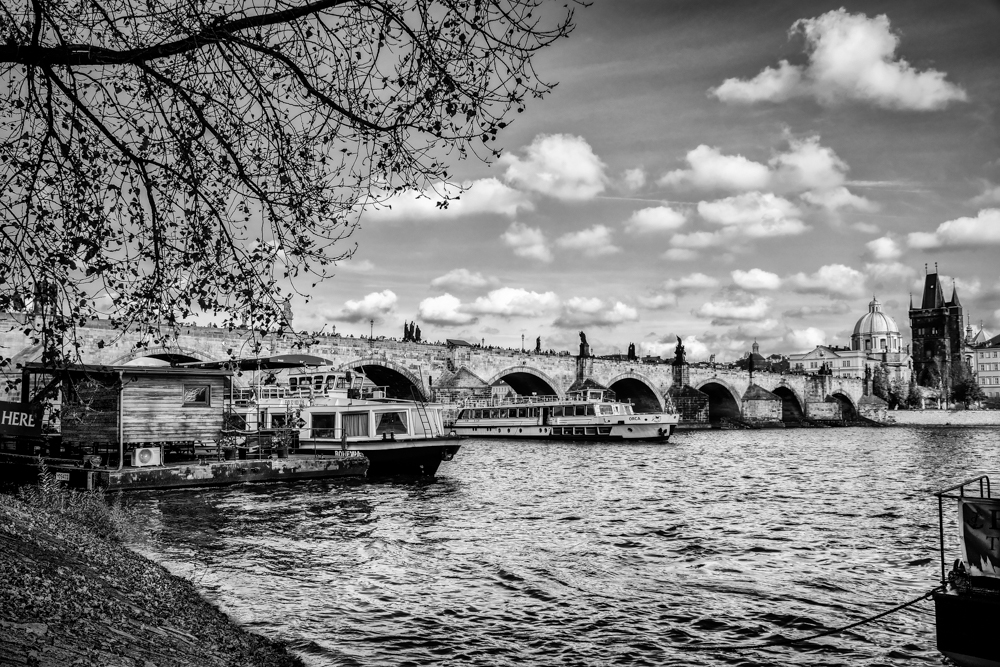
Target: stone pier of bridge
x,y
703,395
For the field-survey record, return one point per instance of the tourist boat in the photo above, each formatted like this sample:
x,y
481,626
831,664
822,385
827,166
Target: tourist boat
x,y
967,605
589,414
331,411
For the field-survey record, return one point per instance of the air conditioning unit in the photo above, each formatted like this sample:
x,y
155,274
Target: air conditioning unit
x,y
147,456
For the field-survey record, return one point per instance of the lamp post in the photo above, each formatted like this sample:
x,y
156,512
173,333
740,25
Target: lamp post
x,y
371,334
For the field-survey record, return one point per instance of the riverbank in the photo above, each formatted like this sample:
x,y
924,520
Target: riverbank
x,y
68,597
943,418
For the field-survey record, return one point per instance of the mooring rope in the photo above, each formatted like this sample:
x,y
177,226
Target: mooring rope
x,y
818,635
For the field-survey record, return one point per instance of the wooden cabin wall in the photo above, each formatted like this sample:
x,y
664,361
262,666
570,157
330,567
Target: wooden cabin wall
x,y
154,409
90,413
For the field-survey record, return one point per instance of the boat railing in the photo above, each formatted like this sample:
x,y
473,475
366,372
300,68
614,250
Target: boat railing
x,y
984,492
510,400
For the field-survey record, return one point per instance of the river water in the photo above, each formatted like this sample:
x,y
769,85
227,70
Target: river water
x,y
591,554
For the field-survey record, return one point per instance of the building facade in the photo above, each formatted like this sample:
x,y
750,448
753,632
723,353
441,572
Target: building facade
x,y
987,360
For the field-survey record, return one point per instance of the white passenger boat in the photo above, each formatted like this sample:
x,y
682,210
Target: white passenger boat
x,y
331,411
591,414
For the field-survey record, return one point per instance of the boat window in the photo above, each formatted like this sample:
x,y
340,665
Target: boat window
x,y
390,422
197,395
355,424
581,411
278,421
557,411
627,409
331,382
522,413
591,430
595,395
604,430
606,410
503,413
324,426
293,382
533,412
616,409
494,414
590,410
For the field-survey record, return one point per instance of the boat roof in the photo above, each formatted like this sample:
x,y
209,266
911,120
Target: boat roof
x,y
263,363
36,368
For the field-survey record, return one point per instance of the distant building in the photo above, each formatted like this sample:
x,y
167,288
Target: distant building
x,y
938,336
876,340
774,363
987,366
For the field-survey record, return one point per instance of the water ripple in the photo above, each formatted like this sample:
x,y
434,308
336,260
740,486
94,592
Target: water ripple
x,y
590,554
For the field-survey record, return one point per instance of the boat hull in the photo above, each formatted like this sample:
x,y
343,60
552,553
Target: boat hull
x,y
966,627
417,458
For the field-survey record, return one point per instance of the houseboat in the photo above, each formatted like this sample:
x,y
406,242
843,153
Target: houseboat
x,y
332,411
967,603
589,414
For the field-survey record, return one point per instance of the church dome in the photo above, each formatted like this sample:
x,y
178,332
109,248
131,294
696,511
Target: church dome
x,y
875,321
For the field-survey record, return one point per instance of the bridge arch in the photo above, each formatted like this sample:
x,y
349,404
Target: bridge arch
x,y
526,381
639,389
176,355
792,404
848,409
723,400
398,380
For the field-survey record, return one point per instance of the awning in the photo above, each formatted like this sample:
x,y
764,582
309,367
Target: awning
x,y
263,363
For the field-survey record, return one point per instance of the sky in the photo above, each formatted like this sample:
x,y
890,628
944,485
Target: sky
x,y
720,171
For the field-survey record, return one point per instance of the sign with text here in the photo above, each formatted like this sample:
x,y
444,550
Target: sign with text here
x,y
979,535
20,419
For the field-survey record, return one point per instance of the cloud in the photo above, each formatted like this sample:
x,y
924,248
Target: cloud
x,y
989,195
527,242
884,249
745,216
694,349
884,274
756,279
485,196
835,308
690,283
464,279
833,280
709,169
866,227
965,287
658,301
803,340
374,306
654,220
850,57
982,230
443,311
734,305
514,302
583,312
837,198
634,179
680,255
557,165
591,242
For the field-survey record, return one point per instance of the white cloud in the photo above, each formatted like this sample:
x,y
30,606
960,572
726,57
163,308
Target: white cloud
x,y
866,227
658,301
837,198
982,230
654,219
443,310
582,312
965,287
592,242
745,216
709,169
690,283
756,279
735,305
989,195
463,279
356,266
834,280
835,308
803,340
557,165
680,255
634,179
694,349
527,242
884,249
487,195
889,273
850,57
374,306
514,302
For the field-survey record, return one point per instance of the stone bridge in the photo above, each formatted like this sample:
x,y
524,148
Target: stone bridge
x,y
702,394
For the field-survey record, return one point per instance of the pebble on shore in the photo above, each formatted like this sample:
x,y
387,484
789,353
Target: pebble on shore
x,y
68,597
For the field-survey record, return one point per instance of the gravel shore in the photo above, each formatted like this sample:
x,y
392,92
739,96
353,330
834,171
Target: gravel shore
x,y
68,597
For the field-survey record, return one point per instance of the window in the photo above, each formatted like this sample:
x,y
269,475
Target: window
x,y
324,426
522,413
846,363
605,409
557,411
197,395
355,424
390,422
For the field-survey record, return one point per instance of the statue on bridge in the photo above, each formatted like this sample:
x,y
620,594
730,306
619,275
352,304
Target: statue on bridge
x,y
584,347
538,345
679,353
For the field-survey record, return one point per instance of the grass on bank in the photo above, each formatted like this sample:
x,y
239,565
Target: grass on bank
x,y
107,516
